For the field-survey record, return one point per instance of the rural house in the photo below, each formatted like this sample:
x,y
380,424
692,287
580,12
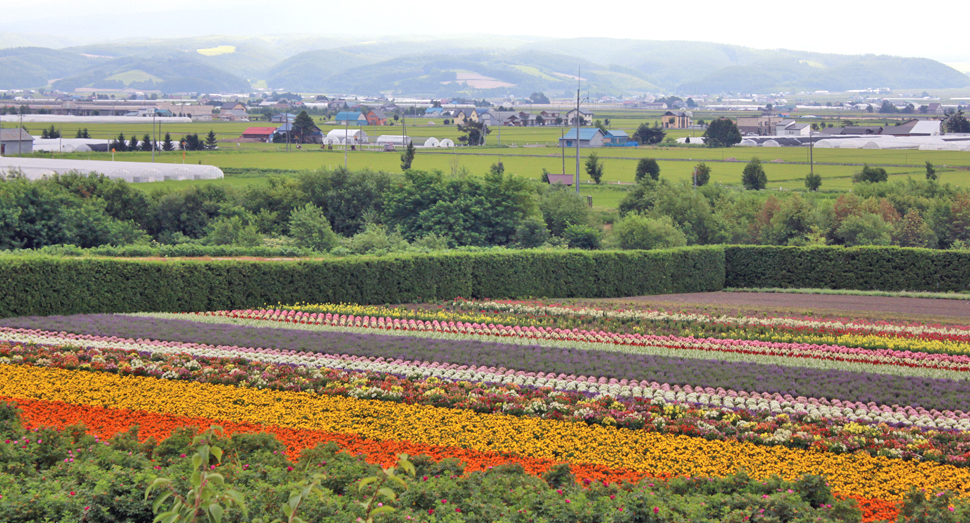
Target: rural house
x,y
586,117
676,120
376,117
587,138
350,118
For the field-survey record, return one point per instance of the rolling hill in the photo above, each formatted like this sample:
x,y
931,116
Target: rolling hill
x,y
449,66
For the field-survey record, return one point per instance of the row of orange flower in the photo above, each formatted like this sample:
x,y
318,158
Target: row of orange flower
x,y
651,453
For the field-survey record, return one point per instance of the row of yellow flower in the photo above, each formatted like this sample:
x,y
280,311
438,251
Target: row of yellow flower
x,y
653,453
871,341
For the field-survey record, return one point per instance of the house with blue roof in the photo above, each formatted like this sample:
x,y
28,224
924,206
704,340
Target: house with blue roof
x,y
282,118
434,111
616,137
587,138
351,118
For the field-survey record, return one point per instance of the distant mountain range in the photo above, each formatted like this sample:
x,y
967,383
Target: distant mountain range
x,y
476,66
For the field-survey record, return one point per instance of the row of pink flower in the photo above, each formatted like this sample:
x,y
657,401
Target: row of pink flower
x,y
710,396
950,362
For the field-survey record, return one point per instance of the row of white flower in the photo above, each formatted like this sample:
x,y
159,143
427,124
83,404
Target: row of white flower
x,y
658,394
742,321
703,349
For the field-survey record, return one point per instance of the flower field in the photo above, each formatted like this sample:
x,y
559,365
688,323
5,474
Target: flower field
x,y
874,407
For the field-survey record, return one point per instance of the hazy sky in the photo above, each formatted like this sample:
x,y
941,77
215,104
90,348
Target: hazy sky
x,y
897,28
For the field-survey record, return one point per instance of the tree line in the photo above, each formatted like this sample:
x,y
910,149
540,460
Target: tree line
x,y
343,212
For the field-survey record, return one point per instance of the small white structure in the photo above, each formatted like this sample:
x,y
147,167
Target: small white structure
x,y
431,142
446,143
347,135
36,168
770,143
397,140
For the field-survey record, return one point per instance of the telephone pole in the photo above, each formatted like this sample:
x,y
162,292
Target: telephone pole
x,y
579,86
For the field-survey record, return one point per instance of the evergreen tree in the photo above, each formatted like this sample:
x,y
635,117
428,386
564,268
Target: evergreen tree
x,y
167,144
120,144
210,139
594,168
133,143
407,157
146,143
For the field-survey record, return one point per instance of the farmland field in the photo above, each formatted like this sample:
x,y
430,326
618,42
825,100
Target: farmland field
x,y
618,394
527,151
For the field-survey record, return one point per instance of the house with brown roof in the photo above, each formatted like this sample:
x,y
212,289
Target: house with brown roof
x,y
376,117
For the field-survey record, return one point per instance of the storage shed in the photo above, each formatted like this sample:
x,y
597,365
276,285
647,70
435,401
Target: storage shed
x,y
15,141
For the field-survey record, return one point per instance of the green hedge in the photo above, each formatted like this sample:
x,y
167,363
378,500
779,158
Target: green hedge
x,y
45,285
856,268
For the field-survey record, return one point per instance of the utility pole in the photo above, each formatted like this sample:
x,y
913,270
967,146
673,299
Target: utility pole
x,y
562,147
346,139
579,86
811,152
154,113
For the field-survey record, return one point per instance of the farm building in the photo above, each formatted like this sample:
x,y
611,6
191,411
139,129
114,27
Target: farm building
x,y
282,118
792,128
313,135
434,111
396,140
259,134
616,137
587,138
351,136
351,118
15,141
758,125
136,172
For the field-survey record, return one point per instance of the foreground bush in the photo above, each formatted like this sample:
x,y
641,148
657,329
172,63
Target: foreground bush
x,y
70,475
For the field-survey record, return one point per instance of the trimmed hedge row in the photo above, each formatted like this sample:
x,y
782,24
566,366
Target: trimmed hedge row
x,y
44,285
856,268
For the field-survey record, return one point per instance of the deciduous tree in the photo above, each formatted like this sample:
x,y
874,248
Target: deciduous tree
x,y
722,132
753,177
647,167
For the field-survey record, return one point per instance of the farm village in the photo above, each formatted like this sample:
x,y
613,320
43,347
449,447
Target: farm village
x,y
478,279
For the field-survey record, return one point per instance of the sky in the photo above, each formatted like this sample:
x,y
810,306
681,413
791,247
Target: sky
x,y
823,25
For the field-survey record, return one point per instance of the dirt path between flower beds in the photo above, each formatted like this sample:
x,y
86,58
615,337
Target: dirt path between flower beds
x,y
883,304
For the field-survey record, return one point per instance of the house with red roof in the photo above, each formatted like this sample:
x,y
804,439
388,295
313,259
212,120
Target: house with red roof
x,y
258,134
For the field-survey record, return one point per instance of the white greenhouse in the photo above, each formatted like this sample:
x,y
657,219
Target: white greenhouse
x,y
397,140
135,172
348,135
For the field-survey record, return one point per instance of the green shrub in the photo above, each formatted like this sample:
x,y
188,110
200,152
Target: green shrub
x,y
310,229
640,232
858,268
44,285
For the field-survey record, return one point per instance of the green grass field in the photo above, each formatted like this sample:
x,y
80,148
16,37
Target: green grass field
x,y
527,151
